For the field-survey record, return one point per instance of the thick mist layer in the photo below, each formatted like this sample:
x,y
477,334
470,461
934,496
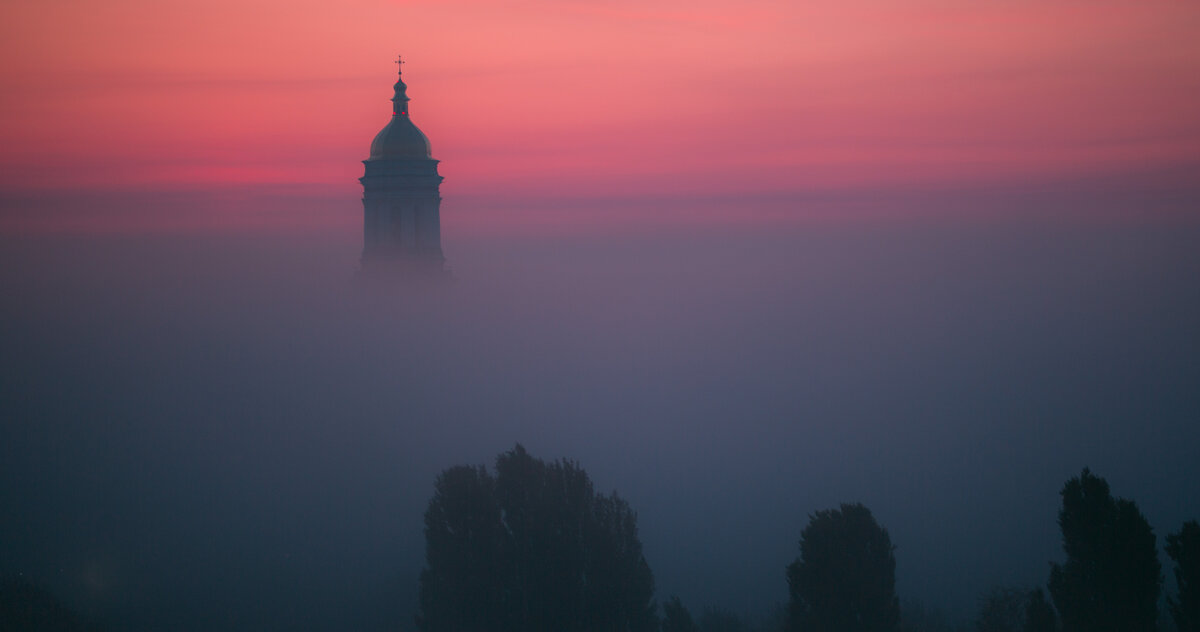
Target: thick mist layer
x,y
236,432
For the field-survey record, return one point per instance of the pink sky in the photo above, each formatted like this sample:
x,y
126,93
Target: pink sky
x,y
564,98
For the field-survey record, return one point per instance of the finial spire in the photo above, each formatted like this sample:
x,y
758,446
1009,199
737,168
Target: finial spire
x,y
400,100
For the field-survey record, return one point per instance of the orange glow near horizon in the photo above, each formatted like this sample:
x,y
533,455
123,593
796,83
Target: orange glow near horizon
x,y
550,98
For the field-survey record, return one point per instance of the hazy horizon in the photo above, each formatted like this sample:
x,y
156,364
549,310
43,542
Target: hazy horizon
x,y
226,429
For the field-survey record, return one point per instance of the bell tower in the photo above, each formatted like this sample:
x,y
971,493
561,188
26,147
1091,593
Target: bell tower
x,y
401,203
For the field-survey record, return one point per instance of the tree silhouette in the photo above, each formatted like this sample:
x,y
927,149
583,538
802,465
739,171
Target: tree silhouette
x,y
619,579
461,586
28,607
1112,577
1184,549
915,616
676,617
1002,609
845,577
716,619
1039,614
532,548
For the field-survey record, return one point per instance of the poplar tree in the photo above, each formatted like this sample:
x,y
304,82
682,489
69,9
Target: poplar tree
x,y
1184,549
845,577
1111,579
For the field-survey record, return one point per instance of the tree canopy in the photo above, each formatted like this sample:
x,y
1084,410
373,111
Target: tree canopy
x,y
845,577
1002,609
1112,577
1010,609
531,548
29,607
1184,549
1039,614
676,617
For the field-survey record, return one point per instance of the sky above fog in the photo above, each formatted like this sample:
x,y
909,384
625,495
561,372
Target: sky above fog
x,y
742,261
548,98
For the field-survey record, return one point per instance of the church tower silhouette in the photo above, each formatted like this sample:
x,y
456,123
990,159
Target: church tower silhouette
x,y
401,201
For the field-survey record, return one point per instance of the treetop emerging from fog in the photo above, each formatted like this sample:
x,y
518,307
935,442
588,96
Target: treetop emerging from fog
x,y
531,548
845,577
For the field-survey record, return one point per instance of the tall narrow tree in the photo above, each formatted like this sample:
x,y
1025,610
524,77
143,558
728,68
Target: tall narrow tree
x,y
1111,579
845,577
1184,549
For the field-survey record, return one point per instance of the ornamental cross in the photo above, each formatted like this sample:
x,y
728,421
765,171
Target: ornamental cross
x,y
399,60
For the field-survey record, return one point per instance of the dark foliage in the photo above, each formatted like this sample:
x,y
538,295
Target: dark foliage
x,y
532,548
845,577
1005,609
1002,609
1184,549
718,620
27,607
676,617
463,548
916,617
775,620
1112,577
1039,614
